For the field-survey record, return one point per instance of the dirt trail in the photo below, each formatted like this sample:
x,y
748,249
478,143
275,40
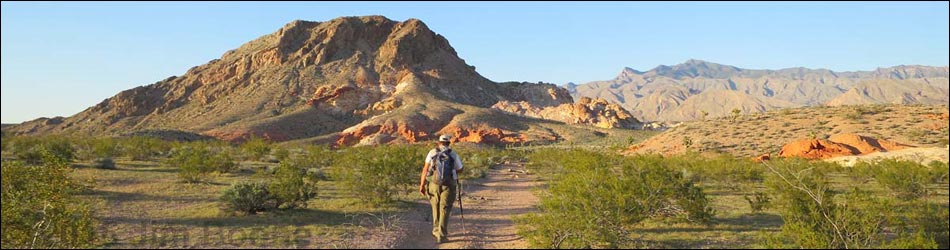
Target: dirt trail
x,y
489,203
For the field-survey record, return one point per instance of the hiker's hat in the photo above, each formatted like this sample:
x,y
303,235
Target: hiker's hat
x,y
445,138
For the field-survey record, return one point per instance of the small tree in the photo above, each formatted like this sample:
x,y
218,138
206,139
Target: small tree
x,y
735,114
703,114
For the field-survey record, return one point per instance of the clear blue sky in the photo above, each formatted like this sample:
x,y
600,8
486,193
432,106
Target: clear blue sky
x,y
60,58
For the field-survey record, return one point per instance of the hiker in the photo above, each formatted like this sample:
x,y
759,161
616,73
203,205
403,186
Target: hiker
x,y
440,186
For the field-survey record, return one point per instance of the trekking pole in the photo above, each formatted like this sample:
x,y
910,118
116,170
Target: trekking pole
x,y
461,211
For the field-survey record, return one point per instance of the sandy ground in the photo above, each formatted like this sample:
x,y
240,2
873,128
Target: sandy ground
x,y
489,203
921,155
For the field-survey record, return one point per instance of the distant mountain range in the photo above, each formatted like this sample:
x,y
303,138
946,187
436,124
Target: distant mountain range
x,y
686,91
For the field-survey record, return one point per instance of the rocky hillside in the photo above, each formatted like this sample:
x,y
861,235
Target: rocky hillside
x,y
346,81
696,89
751,135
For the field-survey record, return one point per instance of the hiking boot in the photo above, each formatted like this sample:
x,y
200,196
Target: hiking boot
x,y
439,239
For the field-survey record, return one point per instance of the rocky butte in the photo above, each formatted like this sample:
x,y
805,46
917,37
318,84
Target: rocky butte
x,y
346,81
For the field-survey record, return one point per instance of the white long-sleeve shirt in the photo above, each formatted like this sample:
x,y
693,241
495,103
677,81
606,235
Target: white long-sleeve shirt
x,y
458,161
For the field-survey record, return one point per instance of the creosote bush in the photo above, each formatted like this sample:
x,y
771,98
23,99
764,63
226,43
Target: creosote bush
x,y
293,185
816,216
906,180
40,209
758,201
198,160
104,163
593,199
256,148
248,198
379,173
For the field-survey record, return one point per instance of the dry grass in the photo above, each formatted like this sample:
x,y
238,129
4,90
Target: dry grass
x,y
144,205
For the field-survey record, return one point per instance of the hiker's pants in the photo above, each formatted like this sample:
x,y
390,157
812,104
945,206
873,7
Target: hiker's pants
x,y
441,198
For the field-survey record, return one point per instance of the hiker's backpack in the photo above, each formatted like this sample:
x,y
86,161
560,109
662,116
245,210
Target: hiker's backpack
x,y
441,166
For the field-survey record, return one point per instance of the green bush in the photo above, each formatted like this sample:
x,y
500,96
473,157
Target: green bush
x,y
281,154
939,172
758,201
905,179
40,209
249,198
293,186
477,161
198,160
142,148
256,148
724,170
31,150
928,219
377,174
593,199
104,163
92,148
4,141
815,216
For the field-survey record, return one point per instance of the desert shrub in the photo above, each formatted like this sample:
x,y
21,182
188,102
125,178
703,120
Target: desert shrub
x,y
687,142
377,174
905,179
815,216
316,157
141,148
104,163
198,160
4,141
256,148
928,219
281,154
31,156
723,169
91,148
511,154
293,185
594,199
758,201
34,150
939,172
478,160
40,209
105,148
248,197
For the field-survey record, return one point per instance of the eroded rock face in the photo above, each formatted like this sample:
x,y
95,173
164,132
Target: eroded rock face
x,y
866,145
492,136
838,145
348,81
586,111
816,149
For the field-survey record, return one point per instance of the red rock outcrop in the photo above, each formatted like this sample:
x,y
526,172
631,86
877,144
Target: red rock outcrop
x,y
383,133
492,136
838,145
866,145
816,149
762,158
